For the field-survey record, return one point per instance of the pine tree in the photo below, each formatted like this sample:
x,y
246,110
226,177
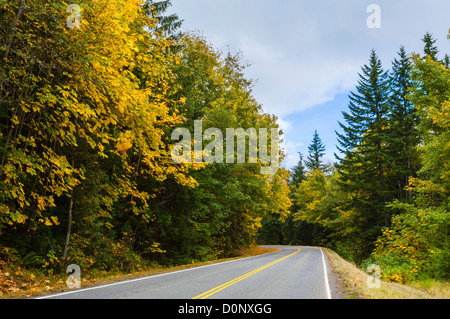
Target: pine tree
x,y
363,168
430,49
167,24
316,152
446,61
403,137
298,232
297,173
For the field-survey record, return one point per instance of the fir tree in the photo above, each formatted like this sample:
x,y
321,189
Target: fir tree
x,y
297,173
363,168
446,61
402,137
316,152
167,24
430,49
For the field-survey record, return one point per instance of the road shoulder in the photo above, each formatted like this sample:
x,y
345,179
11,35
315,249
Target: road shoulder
x,y
336,283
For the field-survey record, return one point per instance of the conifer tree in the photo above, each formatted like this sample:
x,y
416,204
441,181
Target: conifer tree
x,y
316,152
430,49
297,173
168,24
446,61
363,168
403,135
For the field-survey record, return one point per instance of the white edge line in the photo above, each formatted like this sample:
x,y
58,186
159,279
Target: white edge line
x,y
327,284
144,278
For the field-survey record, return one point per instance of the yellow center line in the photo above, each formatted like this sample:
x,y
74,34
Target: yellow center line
x,y
236,280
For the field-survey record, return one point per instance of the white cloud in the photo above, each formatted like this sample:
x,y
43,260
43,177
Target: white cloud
x,y
287,85
305,53
285,126
290,150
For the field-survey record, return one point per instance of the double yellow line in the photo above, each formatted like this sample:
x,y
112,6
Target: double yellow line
x,y
234,281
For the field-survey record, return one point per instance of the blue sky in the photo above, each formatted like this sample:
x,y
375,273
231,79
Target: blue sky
x,y
306,55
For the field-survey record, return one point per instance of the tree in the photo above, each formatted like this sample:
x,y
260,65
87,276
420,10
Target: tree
x,y
446,61
417,245
430,50
316,152
362,170
402,137
230,201
298,173
317,200
82,112
165,24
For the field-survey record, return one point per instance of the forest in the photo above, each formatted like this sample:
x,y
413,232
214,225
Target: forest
x,y
87,177
86,120
386,199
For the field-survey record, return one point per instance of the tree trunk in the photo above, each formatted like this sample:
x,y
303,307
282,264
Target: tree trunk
x,y
69,229
13,30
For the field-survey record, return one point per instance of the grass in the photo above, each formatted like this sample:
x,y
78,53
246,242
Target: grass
x,y
17,282
355,282
439,289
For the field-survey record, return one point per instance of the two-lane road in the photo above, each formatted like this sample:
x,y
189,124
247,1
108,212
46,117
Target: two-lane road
x,y
291,273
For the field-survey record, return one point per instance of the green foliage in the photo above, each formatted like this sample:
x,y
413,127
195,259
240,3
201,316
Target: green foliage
x,y
430,50
363,170
86,117
86,175
316,152
298,173
403,156
388,201
418,241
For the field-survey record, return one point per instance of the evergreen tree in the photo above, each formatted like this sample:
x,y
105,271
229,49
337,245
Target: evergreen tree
x,y
403,137
430,49
297,173
292,231
363,168
446,61
167,24
316,152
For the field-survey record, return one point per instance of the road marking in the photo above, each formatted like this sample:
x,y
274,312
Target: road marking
x,y
144,278
213,291
327,284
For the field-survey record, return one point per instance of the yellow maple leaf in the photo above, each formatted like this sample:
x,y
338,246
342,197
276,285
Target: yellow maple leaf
x,y
123,145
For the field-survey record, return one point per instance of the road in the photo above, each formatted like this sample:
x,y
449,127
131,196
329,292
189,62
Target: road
x,y
291,273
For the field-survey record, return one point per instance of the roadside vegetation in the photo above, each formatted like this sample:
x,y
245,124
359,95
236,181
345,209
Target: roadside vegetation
x,y
355,285
87,174
386,201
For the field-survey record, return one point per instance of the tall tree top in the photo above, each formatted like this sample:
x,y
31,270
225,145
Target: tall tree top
x,y
401,77
298,173
169,24
430,49
368,105
316,152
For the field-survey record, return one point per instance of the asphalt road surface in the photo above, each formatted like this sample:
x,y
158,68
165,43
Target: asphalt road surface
x,y
291,273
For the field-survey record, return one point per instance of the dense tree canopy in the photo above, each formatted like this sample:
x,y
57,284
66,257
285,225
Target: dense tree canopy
x,y
386,201
86,116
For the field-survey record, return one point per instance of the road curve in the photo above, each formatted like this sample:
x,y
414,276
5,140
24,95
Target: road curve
x,y
294,272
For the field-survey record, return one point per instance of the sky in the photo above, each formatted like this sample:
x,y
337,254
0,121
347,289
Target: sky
x,y
306,55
